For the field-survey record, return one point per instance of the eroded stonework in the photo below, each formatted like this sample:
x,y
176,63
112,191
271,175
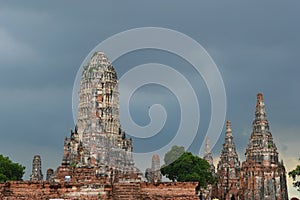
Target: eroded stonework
x,y
228,168
263,176
98,189
97,160
153,174
98,140
50,175
211,190
36,174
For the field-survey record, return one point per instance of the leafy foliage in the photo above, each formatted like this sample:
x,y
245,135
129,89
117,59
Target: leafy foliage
x,y
173,154
294,174
10,170
189,168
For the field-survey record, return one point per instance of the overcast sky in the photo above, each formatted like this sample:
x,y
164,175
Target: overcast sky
x,y
255,45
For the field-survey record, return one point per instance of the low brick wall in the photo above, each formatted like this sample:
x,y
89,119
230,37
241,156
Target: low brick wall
x,y
45,190
40,190
169,190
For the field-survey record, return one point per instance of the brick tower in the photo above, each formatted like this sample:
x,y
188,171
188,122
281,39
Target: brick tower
x,y
36,169
98,140
263,176
228,168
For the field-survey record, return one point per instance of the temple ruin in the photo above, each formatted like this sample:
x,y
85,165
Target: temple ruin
x,y
263,176
153,174
211,190
36,174
97,161
228,169
98,140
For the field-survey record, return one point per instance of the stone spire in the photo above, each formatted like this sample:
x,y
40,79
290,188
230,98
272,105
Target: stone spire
x,y
261,148
262,175
210,191
155,168
208,155
229,153
36,169
228,167
153,174
260,123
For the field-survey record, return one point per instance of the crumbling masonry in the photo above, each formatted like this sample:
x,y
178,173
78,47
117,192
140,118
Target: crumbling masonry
x,y
97,157
36,174
262,176
98,140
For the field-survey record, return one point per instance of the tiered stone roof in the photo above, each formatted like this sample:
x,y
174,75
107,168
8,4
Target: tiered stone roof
x,y
263,176
98,140
228,167
36,174
208,156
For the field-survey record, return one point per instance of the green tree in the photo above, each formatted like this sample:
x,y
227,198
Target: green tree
x,y
173,154
294,173
189,168
10,170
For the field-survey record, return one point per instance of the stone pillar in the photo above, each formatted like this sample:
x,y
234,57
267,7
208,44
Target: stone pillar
x,y
153,174
155,168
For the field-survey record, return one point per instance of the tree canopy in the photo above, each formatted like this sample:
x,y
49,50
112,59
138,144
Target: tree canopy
x,y
173,154
294,173
189,168
10,170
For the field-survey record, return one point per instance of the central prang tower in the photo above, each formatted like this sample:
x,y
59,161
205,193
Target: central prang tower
x,y
98,109
98,140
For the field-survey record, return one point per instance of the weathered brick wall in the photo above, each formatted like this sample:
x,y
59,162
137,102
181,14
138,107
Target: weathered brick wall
x,y
44,190
168,191
92,191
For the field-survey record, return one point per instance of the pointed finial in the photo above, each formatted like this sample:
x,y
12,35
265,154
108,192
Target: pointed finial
x,y
260,98
228,133
228,125
76,128
260,105
207,147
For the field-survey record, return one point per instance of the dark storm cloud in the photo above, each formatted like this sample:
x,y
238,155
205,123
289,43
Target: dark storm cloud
x,y
255,45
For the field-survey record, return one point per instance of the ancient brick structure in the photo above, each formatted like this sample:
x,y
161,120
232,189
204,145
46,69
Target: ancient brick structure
x,y
36,174
94,190
153,174
208,156
263,176
155,168
228,168
169,191
97,158
50,175
98,140
211,190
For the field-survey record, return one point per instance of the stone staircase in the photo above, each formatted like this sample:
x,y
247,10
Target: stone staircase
x,y
126,191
